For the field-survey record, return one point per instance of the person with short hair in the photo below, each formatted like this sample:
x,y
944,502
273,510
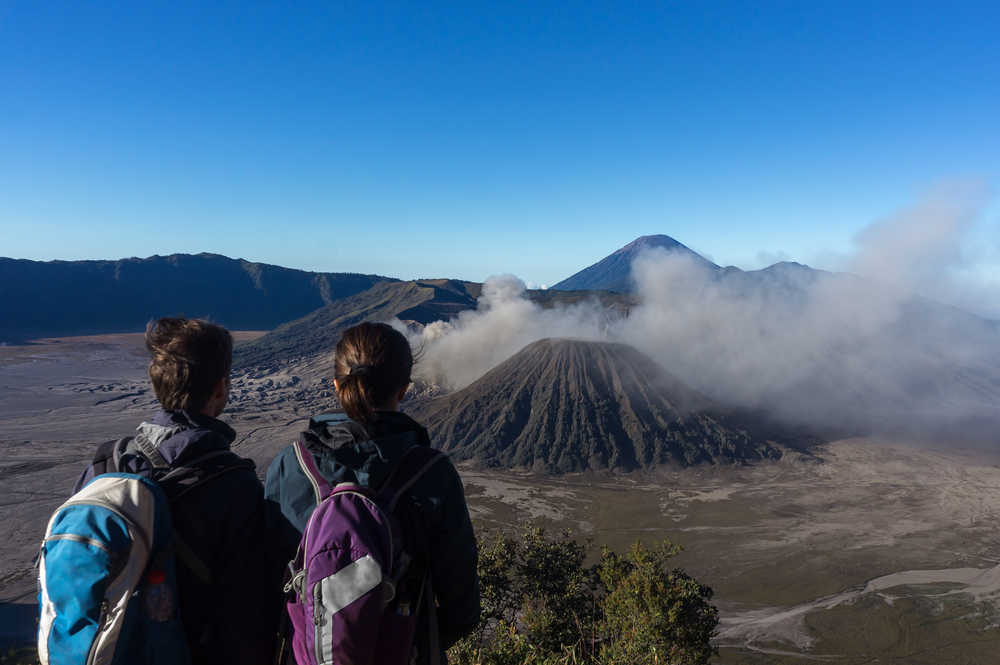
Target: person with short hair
x,y
363,444
228,569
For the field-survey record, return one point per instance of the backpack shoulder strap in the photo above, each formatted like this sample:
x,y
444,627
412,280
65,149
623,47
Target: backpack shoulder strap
x,y
150,452
118,450
321,488
200,473
187,556
411,467
414,463
194,465
108,456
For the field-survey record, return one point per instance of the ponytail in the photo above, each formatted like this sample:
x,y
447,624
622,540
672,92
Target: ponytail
x,y
355,394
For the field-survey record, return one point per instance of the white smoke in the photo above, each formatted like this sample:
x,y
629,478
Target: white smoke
x,y
455,353
841,349
932,248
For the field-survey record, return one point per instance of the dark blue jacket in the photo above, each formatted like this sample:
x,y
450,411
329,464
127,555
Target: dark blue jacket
x,y
346,451
233,618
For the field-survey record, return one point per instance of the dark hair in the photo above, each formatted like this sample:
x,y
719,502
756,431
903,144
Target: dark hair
x,y
372,364
188,357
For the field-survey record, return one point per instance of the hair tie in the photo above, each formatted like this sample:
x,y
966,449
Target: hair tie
x,y
358,370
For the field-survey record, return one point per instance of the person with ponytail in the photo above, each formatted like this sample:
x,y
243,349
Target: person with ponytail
x,y
362,443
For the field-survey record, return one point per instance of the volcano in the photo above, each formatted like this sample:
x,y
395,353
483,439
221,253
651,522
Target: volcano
x,y
563,405
614,272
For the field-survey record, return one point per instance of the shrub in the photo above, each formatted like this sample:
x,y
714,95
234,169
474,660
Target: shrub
x,y
651,615
543,606
537,596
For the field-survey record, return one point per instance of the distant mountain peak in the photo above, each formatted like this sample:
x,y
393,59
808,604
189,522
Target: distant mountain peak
x,y
644,242
614,272
787,265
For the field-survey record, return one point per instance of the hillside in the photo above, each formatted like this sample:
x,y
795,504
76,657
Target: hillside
x,y
420,301
58,298
318,332
567,405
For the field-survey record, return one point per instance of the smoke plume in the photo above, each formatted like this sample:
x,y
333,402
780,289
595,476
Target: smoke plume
x,y
862,351
455,353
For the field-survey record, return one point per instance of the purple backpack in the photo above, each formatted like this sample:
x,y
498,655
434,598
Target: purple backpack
x,y
356,596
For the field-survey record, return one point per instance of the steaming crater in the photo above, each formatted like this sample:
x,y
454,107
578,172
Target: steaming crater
x,y
568,405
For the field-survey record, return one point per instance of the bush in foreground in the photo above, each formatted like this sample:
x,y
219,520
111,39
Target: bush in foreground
x,y
543,606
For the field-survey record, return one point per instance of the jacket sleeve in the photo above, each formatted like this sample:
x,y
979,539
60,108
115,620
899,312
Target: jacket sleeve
x,y
454,562
288,489
284,535
272,482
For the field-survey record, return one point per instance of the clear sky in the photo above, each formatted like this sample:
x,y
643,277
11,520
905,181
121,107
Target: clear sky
x,y
420,139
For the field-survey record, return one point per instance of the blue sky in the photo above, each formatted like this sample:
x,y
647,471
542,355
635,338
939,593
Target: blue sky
x,y
432,139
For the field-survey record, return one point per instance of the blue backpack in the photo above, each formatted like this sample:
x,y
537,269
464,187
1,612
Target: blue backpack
x,y
107,567
107,579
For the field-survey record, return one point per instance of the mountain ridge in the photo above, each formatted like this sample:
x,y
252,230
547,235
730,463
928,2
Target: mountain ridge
x,y
419,301
62,298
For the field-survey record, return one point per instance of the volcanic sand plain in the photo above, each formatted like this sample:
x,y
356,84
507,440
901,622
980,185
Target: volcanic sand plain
x,y
864,551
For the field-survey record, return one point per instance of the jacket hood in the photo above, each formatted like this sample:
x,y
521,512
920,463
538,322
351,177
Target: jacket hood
x,y
365,448
183,434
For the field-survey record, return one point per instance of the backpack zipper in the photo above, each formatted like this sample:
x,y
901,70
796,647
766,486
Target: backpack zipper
x,y
76,538
317,605
130,523
296,583
318,622
101,620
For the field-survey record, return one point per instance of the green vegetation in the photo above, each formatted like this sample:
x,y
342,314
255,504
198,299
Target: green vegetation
x,y
543,606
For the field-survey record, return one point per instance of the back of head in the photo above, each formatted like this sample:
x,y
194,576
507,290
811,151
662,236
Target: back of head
x,y
188,358
372,364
